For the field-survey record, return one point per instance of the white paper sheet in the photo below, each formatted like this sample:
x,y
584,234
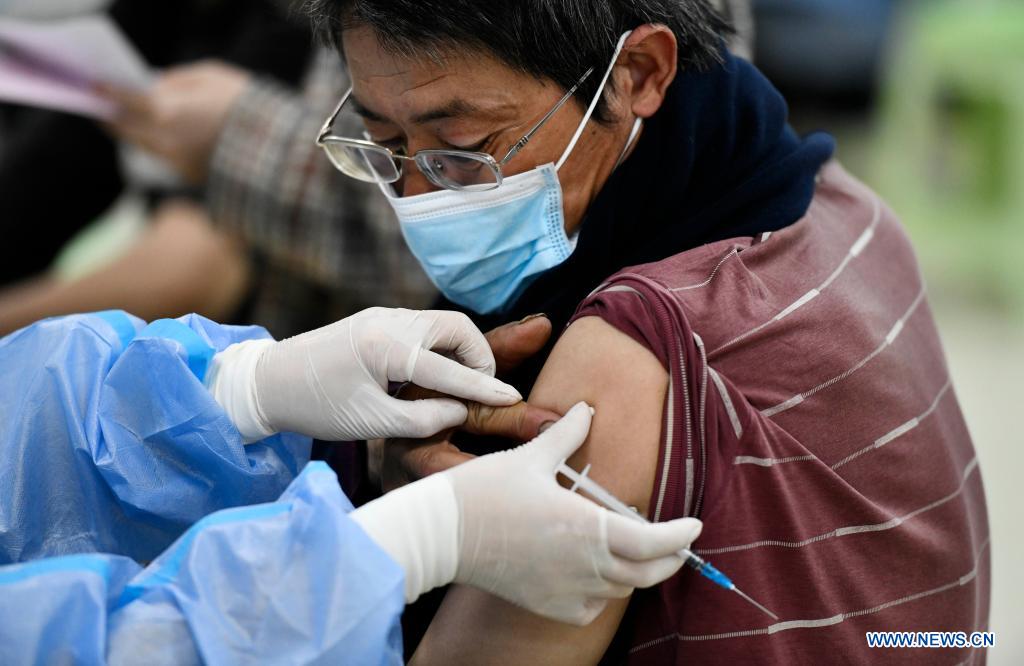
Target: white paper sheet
x,y
55,64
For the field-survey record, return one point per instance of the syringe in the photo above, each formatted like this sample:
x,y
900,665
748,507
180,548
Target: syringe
x,y
581,481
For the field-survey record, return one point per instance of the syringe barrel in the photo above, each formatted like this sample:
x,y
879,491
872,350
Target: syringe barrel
x,y
708,571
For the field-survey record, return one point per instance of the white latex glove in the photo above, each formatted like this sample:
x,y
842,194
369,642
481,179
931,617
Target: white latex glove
x,y
332,383
530,541
521,536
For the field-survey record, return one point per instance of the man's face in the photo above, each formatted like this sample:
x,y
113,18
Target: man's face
x,y
473,102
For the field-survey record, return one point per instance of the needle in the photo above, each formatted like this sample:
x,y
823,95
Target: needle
x,y
582,481
744,595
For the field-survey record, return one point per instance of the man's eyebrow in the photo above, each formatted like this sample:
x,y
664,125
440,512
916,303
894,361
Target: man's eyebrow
x,y
367,113
453,109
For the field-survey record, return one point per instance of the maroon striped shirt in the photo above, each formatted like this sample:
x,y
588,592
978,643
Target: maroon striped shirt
x,y
810,422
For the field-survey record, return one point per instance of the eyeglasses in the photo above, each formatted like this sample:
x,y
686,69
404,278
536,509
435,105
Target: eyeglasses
x,y
448,169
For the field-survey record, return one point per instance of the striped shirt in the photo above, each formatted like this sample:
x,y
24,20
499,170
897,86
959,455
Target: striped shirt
x,y
811,423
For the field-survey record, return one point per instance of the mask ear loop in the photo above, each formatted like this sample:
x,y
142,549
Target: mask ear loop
x,y
593,102
637,124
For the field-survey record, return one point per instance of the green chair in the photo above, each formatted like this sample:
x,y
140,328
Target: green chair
x,y
950,158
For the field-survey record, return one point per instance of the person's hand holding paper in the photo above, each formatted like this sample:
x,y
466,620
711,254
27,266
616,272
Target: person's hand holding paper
x,y
86,66
57,65
180,117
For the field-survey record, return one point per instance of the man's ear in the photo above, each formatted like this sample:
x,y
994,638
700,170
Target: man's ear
x,y
648,66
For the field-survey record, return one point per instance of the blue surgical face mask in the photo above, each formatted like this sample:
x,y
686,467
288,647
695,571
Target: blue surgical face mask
x,y
483,249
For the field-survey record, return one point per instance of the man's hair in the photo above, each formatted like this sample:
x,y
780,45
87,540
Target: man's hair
x,y
550,39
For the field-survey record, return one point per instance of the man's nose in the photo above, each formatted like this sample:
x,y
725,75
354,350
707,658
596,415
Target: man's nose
x,y
413,182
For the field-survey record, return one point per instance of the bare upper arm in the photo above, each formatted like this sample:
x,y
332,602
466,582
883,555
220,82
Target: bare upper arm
x,y
626,385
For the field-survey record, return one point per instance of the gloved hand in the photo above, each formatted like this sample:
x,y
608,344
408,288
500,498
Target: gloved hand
x,y
398,461
332,383
530,541
521,536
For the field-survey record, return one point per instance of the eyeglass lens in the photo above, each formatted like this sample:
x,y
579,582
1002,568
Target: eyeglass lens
x,y
457,170
363,163
446,169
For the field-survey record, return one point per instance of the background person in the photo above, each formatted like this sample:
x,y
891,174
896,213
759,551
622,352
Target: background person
x,y
259,229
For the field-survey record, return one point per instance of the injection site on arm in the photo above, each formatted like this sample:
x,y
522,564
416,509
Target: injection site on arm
x,y
626,385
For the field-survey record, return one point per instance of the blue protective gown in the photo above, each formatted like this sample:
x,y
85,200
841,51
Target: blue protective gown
x,y
112,450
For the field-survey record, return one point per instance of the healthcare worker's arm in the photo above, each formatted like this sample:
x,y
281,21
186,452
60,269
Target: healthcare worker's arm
x,y
293,581
111,442
298,581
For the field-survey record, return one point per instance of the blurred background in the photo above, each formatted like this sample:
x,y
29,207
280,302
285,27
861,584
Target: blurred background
x,y
925,98
926,101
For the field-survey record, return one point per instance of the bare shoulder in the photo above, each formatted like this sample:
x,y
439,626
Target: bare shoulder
x,y
626,384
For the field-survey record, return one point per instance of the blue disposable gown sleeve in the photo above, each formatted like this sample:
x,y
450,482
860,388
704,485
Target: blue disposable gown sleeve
x,y
110,442
293,581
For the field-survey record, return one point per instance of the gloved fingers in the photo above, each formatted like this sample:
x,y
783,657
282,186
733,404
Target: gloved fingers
x,y
635,540
579,612
563,438
615,590
591,609
456,334
422,418
433,371
633,573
